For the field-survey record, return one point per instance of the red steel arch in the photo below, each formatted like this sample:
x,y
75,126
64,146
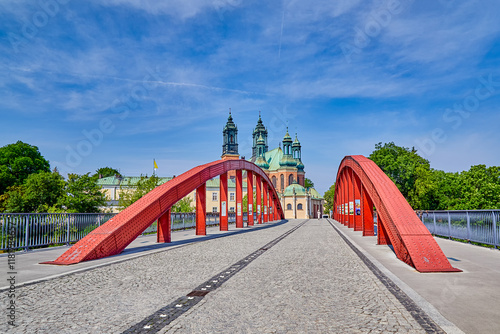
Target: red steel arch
x,y
112,237
362,185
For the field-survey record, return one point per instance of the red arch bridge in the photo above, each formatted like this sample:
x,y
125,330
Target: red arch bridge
x,y
361,187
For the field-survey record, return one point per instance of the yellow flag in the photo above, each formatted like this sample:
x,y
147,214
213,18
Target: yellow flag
x,y
156,166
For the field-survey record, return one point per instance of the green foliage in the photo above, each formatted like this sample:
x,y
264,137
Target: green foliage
x,y
476,189
328,196
183,205
308,183
81,194
105,172
244,203
39,192
129,195
403,166
429,189
17,162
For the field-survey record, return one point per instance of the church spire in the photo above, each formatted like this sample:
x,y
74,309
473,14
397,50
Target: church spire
x,y
230,138
260,130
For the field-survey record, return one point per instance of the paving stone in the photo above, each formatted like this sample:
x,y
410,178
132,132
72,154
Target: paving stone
x,y
309,281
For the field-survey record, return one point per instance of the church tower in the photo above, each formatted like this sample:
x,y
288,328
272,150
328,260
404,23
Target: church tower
x,y
259,131
230,140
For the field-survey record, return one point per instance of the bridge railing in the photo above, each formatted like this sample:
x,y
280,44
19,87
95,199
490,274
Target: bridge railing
x,y
29,230
481,226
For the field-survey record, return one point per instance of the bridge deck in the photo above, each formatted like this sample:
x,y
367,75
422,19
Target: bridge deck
x,y
297,277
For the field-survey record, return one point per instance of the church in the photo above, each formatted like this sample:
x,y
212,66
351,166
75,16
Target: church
x,y
283,166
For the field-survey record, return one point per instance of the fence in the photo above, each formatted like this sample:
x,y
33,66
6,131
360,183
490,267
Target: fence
x,y
480,226
28,230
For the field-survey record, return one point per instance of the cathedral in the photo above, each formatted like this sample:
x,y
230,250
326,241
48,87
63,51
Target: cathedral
x,y
283,166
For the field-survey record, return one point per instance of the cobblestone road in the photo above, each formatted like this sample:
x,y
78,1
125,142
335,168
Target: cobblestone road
x,y
311,281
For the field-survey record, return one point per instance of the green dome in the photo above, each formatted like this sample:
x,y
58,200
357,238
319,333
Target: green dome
x,y
287,160
261,162
230,123
287,137
296,142
299,190
300,165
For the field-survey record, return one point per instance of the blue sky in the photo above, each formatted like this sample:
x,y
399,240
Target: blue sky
x,y
120,82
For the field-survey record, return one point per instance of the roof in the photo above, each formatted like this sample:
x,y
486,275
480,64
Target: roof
x,y
125,181
273,158
297,188
315,193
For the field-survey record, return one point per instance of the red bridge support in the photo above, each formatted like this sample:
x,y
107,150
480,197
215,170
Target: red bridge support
x,y
361,187
112,237
250,198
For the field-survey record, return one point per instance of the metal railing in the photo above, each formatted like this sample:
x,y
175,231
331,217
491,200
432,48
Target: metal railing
x,y
481,226
29,230
26,230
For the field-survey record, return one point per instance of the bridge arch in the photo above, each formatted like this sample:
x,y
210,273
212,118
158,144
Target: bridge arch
x,y
361,186
112,237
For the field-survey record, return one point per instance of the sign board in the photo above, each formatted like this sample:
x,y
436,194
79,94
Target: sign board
x,y
250,208
357,207
351,208
224,208
239,209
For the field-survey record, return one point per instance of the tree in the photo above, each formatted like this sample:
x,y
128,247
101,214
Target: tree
x,y
183,205
478,189
328,196
17,162
39,192
308,183
81,194
129,195
404,167
105,172
12,200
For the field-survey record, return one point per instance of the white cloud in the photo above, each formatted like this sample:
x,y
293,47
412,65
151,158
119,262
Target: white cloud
x,y
177,8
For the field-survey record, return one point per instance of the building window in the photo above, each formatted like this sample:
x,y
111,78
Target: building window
x,y
231,209
290,179
289,207
214,209
274,181
214,196
299,206
298,179
231,196
282,177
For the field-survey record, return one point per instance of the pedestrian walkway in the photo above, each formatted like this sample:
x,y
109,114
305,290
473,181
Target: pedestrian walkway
x,y
470,299
300,276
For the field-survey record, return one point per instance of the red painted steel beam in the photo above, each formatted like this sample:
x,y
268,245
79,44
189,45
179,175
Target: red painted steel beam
x,y
350,206
265,190
412,242
163,233
358,223
112,237
201,210
367,213
250,198
239,198
223,226
258,194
